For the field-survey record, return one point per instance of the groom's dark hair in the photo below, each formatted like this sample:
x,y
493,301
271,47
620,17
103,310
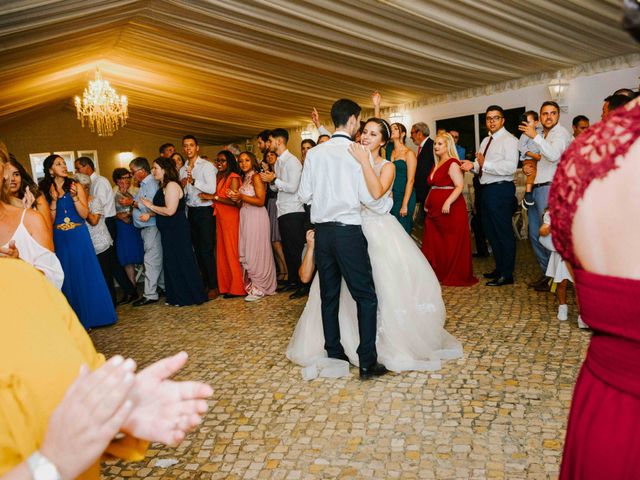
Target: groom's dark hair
x,y
342,110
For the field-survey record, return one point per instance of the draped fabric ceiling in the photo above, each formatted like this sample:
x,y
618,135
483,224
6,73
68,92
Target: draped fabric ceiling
x,y
225,69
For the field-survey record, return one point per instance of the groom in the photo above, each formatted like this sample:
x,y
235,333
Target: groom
x,y
333,183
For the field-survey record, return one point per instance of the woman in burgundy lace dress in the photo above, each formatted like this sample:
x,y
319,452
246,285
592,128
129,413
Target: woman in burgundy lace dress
x,y
595,204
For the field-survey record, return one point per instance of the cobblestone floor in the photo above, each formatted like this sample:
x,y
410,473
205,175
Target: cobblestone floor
x,y
498,413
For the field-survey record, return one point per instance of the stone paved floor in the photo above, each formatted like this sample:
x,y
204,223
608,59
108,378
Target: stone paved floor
x,y
498,413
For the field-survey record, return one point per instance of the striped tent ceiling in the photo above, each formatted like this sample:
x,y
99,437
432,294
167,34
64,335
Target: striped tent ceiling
x,y
225,69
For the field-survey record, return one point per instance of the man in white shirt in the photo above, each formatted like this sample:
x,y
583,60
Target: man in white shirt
x,y
333,183
199,176
496,163
291,217
552,143
101,189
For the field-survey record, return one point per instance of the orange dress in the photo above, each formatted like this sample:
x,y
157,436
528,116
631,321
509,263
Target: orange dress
x,y
227,232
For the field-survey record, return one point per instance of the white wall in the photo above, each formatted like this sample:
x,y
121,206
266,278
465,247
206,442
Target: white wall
x,y
584,97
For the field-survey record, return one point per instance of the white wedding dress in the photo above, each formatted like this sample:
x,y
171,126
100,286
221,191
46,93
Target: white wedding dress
x,y
411,313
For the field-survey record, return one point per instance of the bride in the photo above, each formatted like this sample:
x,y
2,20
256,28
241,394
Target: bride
x,y
411,313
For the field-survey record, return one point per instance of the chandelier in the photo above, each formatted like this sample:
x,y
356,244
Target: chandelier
x,y
102,108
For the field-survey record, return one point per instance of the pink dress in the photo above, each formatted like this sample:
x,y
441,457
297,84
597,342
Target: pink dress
x,y
602,435
256,255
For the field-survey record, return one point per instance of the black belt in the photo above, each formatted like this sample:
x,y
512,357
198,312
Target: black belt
x,y
335,224
545,184
496,183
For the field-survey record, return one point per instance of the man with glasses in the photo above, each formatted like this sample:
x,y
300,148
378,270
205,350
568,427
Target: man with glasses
x,y
496,163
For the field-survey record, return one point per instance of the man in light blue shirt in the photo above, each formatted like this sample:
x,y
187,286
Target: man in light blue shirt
x,y
145,220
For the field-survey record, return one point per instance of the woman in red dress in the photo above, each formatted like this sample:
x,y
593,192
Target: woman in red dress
x,y
227,213
447,242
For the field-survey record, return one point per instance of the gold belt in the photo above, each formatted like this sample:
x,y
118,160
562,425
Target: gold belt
x,y
67,225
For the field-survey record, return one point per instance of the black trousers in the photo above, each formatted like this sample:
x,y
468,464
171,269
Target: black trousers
x,y
293,239
341,252
476,220
203,238
109,264
497,212
117,271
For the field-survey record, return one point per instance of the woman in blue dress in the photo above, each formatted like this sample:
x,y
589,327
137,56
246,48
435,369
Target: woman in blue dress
x,y
84,285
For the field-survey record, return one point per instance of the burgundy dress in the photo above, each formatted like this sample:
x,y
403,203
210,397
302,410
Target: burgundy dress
x,y
446,242
603,439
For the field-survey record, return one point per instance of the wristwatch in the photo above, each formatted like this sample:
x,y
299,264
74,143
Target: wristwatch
x,y
42,468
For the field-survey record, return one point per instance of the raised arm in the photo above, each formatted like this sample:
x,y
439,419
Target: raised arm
x,y
376,98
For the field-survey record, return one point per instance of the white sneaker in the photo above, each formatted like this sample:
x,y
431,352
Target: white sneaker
x,y
252,298
581,324
563,312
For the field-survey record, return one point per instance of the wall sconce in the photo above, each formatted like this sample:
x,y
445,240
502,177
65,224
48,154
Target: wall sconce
x,y
124,158
558,89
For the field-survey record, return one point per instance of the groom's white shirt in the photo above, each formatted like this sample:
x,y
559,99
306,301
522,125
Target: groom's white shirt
x,y
333,183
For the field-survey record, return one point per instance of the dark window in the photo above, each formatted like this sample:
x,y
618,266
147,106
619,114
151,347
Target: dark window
x,y
465,126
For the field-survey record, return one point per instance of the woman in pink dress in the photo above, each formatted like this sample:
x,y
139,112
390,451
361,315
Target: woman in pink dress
x,y
254,245
595,206
447,242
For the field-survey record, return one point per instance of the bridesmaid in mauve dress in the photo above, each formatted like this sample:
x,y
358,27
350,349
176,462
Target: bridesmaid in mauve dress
x,y
256,256
183,283
447,242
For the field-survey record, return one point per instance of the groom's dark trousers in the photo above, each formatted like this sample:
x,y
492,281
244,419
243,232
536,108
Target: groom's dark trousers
x,y
341,251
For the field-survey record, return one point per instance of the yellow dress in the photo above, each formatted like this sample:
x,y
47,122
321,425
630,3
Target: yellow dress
x,y
42,345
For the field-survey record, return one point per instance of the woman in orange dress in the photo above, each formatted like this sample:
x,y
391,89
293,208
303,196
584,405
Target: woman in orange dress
x,y
227,213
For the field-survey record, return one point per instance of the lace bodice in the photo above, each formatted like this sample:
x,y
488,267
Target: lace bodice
x,y
594,154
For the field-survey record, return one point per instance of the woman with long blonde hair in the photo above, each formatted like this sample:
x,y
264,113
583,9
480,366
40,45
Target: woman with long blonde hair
x,y
447,242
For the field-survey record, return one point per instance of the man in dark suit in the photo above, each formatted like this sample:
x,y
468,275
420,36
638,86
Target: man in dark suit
x,y
420,136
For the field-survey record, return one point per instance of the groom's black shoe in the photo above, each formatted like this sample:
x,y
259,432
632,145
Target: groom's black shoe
x,y
342,356
492,275
374,370
499,282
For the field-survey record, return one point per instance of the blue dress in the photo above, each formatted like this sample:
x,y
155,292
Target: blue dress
x,y
398,187
183,282
84,285
129,246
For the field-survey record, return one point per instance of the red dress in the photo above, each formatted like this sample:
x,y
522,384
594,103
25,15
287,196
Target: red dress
x,y
446,242
230,278
602,434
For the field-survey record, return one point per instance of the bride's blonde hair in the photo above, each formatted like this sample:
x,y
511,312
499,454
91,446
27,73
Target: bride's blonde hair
x,y
451,145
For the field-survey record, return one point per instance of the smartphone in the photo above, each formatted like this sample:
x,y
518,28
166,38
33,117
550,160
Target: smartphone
x,y
524,118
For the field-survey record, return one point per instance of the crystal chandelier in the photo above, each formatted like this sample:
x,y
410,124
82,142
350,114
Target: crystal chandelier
x,y
102,108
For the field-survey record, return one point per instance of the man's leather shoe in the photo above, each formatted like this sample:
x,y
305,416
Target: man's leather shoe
x,y
141,302
492,275
340,357
500,281
543,280
299,293
374,370
287,287
128,299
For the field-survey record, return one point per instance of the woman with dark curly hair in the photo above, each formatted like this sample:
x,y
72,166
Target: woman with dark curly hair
x,y
183,283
